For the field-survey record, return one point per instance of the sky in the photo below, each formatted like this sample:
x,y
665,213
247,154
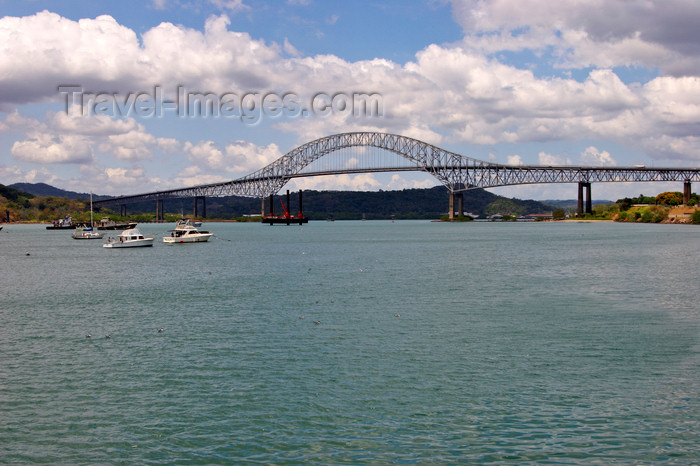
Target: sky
x,y
129,97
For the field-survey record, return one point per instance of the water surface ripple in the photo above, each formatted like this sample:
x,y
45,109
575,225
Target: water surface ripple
x,y
353,342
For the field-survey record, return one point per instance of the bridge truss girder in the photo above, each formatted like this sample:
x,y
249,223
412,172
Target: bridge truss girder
x,y
505,175
454,171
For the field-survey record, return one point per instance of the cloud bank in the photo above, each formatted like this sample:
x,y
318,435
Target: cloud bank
x,y
458,93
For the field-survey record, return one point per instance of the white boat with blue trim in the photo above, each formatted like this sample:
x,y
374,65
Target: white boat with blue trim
x,y
185,232
131,238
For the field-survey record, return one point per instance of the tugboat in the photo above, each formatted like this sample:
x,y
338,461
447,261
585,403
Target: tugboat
x,y
65,223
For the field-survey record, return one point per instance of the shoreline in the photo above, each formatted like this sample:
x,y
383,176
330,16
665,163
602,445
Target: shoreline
x,y
583,220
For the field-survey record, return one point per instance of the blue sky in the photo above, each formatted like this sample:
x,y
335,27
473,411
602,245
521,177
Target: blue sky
x,y
521,82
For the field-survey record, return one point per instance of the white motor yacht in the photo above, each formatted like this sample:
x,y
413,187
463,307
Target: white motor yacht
x,y
131,238
185,232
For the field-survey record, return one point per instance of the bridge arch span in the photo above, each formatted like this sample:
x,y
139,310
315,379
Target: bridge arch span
x,y
448,167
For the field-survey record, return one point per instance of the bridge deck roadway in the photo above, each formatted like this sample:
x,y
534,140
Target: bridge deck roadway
x,y
487,177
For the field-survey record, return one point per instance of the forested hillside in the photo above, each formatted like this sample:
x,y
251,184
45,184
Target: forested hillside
x,y
410,203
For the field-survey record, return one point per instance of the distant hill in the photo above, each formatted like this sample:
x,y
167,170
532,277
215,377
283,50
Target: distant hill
x,y
411,203
347,205
13,194
318,205
43,189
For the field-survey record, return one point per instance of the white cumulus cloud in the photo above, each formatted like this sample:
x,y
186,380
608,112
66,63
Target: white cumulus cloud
x,y
460,93
595,157
43,148
514,160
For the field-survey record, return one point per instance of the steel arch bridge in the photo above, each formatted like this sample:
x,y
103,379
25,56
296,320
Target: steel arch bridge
x,y
456,172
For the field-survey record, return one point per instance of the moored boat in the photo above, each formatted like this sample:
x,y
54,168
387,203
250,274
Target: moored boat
x,y
87,232
131,238
107,223
185,232
65,223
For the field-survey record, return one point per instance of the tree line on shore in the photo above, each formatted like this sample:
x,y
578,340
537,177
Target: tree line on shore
x,y
24,204
644,209
431,203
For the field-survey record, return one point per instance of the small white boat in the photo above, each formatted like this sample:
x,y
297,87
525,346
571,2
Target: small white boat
x,y
87,232
185,232
131,238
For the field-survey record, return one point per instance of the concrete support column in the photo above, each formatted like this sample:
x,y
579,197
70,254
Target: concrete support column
x,y
588,203
686,192
451,210
579,209
122,210
160,215
300,209
195,205
460,203
262,206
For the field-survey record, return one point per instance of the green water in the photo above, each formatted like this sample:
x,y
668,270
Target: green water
x,y
434,343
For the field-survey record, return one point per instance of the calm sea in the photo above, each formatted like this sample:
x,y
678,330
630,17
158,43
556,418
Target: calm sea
x,y
353,342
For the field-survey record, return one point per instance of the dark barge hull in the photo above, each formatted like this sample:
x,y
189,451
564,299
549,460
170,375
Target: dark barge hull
x,y
285,220
120,226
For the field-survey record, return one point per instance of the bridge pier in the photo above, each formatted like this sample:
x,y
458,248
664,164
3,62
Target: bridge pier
x,y
456,201
159,210
122,210
686,192
300,209
589,206
204,206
